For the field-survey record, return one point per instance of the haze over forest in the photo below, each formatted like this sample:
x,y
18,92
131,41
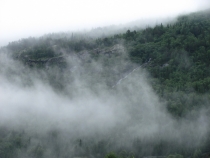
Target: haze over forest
x,y
22,18
134,83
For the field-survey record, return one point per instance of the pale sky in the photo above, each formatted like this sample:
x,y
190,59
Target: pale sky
x,y
24,18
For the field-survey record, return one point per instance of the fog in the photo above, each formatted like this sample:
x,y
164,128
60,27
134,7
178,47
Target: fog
x,y
22,18
86,102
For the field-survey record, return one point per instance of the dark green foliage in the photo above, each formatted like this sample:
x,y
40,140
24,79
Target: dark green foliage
x,y
120,155
197,153
176,55
37,151
175,156
179,53
11,143
111,155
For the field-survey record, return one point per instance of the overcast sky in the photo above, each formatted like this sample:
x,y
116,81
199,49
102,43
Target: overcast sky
x,y
24,18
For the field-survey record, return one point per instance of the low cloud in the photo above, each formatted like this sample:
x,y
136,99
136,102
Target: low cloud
x,y
89,107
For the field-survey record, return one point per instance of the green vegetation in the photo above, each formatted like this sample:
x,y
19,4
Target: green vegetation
x,y
177,56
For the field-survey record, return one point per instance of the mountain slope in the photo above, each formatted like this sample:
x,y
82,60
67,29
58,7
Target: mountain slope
x,y
85,96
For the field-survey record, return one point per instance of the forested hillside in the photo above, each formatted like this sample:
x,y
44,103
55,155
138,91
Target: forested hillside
x,y
178,53
174,59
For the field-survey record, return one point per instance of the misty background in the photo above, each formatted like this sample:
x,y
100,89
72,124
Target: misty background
x,y
92,107
21,18
90,102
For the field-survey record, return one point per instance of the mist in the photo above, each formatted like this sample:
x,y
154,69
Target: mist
x,y
23,19
68,111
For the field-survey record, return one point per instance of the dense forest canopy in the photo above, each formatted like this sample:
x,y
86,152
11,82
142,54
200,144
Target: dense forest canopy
x,y
174,60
